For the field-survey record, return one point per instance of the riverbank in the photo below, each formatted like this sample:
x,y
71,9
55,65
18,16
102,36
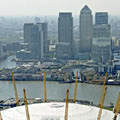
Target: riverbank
x,y
10,103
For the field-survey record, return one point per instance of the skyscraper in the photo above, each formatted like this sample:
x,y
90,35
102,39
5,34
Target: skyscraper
x,y
44,28
65,35
101,51
101,18
28,32
37,42
85,31
37,36
65,27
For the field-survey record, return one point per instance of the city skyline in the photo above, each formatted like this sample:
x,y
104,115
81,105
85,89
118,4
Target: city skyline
x,y
30,7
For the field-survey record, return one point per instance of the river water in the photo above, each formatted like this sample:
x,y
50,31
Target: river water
x,y
55,90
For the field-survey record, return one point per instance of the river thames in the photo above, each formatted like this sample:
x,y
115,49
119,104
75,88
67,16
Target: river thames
x,y
55,90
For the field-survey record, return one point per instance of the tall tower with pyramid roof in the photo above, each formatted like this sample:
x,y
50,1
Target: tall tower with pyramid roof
x,y
85,31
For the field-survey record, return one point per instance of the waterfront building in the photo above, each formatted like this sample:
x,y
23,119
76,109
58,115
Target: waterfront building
x,y
23,54
1,50
102,44
85,32
13,47
101,18
65,33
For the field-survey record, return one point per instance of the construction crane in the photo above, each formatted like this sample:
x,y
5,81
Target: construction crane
x,y
26,105
15,90
101,103
44,85
66,107
117,107
75,90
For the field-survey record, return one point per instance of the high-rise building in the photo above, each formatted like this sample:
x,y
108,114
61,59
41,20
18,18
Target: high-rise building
x,y
65,34
37,42
43,27
28,32
85,31
101,51
65,27
101,18
37,37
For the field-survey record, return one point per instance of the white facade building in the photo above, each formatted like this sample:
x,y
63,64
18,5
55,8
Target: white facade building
x,y
56,111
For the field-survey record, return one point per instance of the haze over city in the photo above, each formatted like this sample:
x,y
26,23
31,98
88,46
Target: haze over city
x,y
55,52
53,7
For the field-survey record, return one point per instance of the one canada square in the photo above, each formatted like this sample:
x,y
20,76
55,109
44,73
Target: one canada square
x,y
85,29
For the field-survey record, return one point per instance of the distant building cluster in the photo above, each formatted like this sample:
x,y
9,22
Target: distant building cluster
x,y
36,35
94,42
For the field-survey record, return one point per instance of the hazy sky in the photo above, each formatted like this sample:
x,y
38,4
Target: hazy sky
x,y
53,7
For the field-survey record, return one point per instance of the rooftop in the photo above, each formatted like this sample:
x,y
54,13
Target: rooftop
x,y
56,111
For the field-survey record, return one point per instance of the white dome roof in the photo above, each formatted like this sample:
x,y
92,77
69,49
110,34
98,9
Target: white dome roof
x,y
56,111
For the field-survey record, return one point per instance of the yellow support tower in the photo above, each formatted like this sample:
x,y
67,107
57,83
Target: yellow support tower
x,y
106,75
102,103
66,107
105,79
75,90
44,85
26,105
15,90
117,107
0,116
